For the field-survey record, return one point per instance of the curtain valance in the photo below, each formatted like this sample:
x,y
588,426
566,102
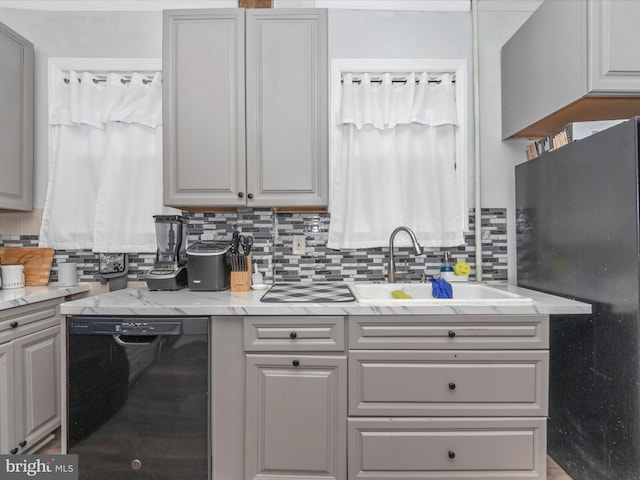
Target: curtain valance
x,y
383,103
86,99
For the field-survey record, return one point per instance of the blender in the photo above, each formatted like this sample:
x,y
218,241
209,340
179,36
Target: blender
x,y
169,271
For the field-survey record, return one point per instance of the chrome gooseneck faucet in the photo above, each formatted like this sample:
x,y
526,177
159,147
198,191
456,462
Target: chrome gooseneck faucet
x,y
417,249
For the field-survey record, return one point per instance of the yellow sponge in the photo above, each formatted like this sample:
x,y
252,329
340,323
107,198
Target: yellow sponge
x,y
400,294
462,269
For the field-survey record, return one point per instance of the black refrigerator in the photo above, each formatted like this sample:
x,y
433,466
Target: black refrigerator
x,y
577,236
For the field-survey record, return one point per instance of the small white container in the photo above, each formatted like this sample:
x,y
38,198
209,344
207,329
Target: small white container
x,y
12,276
67,274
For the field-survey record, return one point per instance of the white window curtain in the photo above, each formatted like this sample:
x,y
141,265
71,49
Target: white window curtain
x,y
395,163
105,171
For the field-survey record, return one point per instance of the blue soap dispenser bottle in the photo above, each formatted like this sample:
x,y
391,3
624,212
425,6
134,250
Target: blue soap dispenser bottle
x,y
446,269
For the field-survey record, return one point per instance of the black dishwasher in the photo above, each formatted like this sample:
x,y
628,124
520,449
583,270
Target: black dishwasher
x,y
138,397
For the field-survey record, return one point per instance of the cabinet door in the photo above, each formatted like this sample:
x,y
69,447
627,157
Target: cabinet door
x,y
37,384
7,424
16,121
287,107
203,108
614,64
296,417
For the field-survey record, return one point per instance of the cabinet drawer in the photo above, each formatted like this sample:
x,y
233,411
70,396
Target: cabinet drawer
x,y
13,321
448,383
446,332
473,449
293,334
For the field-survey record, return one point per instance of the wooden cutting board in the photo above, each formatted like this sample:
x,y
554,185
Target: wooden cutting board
x,y
37,262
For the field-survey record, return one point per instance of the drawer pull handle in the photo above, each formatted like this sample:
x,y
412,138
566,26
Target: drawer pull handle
x,y
293,335
296,363
23,443
14,324
452,386
452,334
452,454
13,451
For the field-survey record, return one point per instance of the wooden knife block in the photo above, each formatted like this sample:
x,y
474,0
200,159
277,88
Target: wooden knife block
x,y
241,281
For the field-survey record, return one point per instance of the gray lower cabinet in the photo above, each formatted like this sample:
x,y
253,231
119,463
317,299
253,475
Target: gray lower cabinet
x,y
7,400
30,356
263,146
447,448
427,397
446,397
16,121
571,61
296,402
450,382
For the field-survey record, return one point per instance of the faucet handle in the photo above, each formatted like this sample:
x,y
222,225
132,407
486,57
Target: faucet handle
x,y
401,276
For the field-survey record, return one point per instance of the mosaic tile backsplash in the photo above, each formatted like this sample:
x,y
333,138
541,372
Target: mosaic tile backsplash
x,y
272,250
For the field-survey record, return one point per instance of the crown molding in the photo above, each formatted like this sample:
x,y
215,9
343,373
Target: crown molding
x,y
114,5
157,5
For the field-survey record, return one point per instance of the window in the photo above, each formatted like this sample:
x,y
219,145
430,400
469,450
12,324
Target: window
x,y
419,208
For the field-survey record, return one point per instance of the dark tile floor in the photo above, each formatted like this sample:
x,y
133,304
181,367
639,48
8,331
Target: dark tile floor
x,y
554,472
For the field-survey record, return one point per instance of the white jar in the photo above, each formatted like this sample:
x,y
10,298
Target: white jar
x,y
12,276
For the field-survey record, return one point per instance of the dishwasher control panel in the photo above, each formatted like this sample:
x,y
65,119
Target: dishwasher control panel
x,y
132,326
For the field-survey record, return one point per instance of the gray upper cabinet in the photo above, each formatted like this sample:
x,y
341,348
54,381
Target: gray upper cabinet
x,y
245,108
287,107
203,107
16,121
571,61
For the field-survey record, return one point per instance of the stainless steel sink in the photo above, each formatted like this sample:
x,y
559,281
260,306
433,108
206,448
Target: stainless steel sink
x,y
463,294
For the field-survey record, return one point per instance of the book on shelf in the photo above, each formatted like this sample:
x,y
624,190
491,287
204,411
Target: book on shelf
x,y
571,132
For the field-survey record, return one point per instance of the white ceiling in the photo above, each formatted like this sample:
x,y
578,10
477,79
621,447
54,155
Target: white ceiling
x,y
155,5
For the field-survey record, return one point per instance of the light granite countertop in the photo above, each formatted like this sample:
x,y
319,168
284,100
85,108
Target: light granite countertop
x,y
141,301
16,297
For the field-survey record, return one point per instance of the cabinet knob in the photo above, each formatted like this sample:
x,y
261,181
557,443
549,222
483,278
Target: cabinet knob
x,y
240,194
293,335
250,196
296,363
452,386
13,324
452,334
22,444
452,454
13,451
